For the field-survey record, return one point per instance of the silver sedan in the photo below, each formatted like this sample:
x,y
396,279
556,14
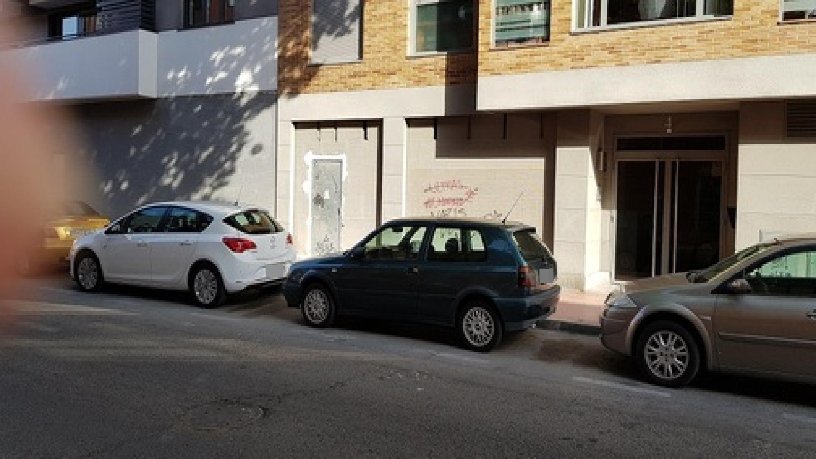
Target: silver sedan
x,y
754,312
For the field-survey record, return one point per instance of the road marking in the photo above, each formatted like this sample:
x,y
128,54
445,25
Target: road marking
x,y
37,326
215,317
614,385
60,290
461,358
799,417
36,308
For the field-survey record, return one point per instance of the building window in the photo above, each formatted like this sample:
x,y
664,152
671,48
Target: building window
x,y
336,31
602,13
206,12
521,22
69,25
795,10
443,25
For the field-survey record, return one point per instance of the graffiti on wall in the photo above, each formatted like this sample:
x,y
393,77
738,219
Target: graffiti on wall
x,y
493,215
448,198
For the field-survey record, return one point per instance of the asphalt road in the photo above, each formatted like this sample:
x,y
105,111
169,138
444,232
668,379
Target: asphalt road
x,y
132,372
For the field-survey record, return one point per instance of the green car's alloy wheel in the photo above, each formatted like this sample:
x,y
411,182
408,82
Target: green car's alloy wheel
x,y
479,327
317,306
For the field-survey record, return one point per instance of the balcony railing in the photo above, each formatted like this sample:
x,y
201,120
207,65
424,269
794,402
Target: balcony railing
x,y
107,17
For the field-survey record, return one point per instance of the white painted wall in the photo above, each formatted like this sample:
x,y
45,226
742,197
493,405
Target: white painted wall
x,y
380,103
226,59
713,80
111,66
221,59
776,181
392,106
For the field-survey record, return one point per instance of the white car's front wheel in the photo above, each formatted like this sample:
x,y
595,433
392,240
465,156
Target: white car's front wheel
x,y
206,286
88,272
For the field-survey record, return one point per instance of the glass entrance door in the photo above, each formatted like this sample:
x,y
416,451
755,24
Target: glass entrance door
x,y
668,216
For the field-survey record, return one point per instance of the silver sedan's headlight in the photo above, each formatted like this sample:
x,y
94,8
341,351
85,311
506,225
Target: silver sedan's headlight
x,y
619,300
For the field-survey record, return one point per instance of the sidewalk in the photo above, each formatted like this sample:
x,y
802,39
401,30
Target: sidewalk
x,y
577,312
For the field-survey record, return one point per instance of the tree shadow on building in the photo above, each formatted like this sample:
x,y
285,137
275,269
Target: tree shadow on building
x,y
299,29
217,143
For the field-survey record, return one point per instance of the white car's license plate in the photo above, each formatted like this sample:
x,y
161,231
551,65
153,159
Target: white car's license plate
x,y
275,271
78,233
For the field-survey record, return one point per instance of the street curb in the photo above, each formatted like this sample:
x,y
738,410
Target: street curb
x,y
569,327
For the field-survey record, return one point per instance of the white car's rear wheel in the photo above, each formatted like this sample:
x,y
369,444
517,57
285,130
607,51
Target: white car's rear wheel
x,y
206,286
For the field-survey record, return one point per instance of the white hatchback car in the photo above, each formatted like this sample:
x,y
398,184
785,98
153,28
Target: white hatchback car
x,y
210,249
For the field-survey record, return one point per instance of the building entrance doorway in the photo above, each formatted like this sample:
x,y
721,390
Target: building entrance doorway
x,y
669,216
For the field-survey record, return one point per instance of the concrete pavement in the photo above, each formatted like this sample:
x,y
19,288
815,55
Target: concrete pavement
x,y
577,312
133,372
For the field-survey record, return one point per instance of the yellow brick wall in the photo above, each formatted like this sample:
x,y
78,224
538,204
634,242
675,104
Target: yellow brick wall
x,y
385,62
752,31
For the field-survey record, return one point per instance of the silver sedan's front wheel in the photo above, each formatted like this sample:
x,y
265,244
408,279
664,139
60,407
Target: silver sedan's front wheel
x,y
88,272
207,287
667,354
317,306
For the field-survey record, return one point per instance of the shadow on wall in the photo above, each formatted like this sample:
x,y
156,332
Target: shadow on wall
x,y
179,148
298,31
199,62
183,146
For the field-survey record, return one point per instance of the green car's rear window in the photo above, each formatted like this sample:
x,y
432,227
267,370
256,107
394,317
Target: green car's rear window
x,y
530,245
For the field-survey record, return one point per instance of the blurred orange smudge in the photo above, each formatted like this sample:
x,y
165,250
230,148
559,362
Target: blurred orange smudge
x,y
31,135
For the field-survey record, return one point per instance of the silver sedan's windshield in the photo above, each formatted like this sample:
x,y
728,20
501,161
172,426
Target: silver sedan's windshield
x,y
714,270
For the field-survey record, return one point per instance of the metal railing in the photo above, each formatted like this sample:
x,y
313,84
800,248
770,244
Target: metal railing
x,y
107,17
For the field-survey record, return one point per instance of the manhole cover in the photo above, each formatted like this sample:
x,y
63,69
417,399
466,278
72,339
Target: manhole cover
x,y
223,415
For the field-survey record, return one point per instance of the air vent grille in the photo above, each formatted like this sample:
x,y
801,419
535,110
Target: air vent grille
x,y
801,119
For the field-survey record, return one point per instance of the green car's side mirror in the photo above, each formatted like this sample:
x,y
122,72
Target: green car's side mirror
x,y
358,253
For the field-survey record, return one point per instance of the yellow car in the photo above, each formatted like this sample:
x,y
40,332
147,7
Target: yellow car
x,y
72,220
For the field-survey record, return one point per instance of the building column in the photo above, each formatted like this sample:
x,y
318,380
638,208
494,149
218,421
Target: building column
x,y
577,238
285,168
393,168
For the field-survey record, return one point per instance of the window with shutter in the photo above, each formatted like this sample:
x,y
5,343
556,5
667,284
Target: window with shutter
x,y
336,31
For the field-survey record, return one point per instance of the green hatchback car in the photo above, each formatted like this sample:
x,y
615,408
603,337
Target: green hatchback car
x,y
480,277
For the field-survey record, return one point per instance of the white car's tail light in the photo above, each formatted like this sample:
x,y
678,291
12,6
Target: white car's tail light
x,y
239,244
289,239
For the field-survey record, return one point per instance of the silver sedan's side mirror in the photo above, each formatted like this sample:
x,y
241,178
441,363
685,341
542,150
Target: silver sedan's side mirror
x,y
739,286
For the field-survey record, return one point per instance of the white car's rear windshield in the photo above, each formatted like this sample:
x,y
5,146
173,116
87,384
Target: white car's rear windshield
x,y
253,222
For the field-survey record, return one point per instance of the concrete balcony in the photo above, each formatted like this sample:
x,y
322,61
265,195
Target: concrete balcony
x,y
105,67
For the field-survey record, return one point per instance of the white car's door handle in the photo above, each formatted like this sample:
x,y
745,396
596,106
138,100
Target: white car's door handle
x,y
141,244
185,243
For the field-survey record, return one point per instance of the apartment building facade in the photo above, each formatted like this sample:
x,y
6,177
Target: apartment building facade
x,y
171,99
644,137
